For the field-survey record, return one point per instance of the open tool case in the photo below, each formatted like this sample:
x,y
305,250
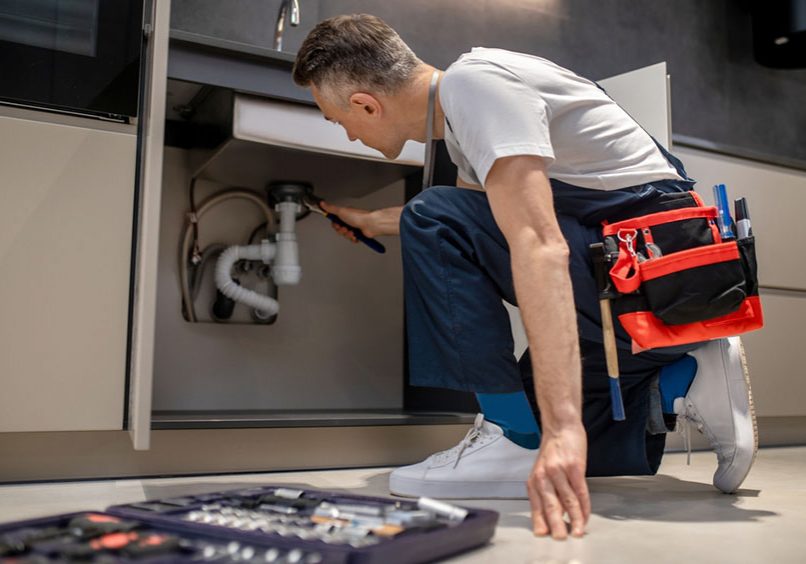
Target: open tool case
x,y
263,524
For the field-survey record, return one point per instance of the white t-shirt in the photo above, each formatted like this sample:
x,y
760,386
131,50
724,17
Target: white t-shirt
x,y
498,103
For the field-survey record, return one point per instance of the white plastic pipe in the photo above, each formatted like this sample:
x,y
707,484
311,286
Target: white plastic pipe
x,y
286,269
265,252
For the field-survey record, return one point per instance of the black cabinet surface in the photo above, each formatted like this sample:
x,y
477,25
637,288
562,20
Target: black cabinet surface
x,y
720,95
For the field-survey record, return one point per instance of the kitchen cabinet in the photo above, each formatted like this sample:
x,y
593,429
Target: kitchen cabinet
x,y
776,197
218,375
65,253
775,355
78,198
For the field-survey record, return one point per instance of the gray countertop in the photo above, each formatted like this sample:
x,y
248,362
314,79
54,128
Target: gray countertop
x,y
178,36
234,65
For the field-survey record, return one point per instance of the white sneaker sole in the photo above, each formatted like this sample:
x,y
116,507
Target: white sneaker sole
x,y
743,460
412,487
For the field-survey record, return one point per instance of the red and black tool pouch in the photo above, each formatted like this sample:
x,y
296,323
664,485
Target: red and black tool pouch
x,y
677,282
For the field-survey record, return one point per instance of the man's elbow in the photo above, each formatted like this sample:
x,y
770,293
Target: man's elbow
x,y
545,248
553,253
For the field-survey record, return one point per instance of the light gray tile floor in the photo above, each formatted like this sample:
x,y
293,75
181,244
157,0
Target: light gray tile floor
x,y
675,517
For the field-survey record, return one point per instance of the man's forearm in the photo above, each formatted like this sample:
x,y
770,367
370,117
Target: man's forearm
x,y
385,221
543,291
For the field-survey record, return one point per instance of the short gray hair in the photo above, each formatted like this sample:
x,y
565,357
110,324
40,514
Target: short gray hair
x,y
358,51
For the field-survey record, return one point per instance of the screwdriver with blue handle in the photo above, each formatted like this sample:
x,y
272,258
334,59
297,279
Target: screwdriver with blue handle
x,y
373,244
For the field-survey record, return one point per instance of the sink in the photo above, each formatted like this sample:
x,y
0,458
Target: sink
x,y
279,140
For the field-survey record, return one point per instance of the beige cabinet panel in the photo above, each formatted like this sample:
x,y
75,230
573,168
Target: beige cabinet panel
x,y
777,200
775,355
66,197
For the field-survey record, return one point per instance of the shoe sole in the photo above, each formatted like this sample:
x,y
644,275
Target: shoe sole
x,y
738,460
751,407
412,487
750,399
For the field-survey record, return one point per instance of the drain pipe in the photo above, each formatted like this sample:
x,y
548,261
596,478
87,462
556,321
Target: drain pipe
x,y
265,252
282,255
286,269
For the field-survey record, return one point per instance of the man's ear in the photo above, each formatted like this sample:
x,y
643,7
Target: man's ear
x,y
367,104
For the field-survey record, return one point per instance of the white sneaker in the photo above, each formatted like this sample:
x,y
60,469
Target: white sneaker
x,y
484,465
720,404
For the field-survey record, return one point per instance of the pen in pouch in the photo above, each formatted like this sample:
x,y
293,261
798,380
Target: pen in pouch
x,y
743,228
723,219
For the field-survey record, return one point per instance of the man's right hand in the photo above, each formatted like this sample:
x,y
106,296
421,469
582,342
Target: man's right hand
x,y
356,217
557,483
385,221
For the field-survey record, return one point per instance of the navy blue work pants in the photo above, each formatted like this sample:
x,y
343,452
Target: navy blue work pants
x,y
457,270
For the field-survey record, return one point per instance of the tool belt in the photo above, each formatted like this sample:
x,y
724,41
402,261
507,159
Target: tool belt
x,y
672,278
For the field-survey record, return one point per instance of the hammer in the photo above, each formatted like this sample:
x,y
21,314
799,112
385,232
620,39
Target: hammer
x,y
606,292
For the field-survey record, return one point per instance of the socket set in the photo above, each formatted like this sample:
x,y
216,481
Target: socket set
x,y
267,524
356,529
101,538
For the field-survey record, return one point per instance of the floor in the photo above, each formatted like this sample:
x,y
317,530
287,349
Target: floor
x,y
674,517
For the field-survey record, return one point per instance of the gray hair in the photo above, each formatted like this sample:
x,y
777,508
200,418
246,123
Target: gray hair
x,y
354,52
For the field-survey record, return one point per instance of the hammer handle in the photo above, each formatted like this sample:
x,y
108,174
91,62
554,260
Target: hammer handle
x,y
611,354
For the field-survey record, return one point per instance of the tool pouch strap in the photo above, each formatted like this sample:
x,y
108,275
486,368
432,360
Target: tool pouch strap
x,y
678,282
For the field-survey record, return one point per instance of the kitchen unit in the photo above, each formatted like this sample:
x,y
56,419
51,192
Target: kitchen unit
x,y
69,127
323,386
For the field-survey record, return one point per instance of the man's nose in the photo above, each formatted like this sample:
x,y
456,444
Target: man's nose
x,y
351,137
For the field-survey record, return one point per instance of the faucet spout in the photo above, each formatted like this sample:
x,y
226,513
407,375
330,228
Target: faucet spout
x,y
293,19
294,13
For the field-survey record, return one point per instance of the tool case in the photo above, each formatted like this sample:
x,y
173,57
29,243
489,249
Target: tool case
x,y
262,524
108,539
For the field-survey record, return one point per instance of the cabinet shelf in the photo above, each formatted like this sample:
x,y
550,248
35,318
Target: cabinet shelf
x,y
239,419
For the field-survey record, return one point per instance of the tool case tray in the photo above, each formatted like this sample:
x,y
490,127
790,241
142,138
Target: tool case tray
x,y
190,545
409,548
208,542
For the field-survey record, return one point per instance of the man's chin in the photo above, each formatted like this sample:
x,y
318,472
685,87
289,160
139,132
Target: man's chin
x,y
392,154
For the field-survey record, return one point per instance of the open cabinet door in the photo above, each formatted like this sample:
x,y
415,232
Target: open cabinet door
x,y
146,236
644,94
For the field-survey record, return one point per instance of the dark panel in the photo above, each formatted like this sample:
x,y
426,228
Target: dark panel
x,y
719,93
779,33
247,21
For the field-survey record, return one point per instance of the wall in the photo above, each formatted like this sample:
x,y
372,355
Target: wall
x,y
338,342
719,93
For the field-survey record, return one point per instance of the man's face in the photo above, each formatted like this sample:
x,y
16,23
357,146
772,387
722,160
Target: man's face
x,y
364,119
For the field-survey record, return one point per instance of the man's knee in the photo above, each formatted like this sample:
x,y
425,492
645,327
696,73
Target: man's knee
x,y
435,205
423,209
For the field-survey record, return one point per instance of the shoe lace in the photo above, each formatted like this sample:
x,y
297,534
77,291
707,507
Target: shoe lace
x,y
457,451
685,419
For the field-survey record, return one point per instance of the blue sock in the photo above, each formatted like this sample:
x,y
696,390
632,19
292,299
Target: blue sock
x,y
514,415
675,380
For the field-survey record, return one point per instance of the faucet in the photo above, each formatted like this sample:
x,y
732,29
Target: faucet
x,y
280,27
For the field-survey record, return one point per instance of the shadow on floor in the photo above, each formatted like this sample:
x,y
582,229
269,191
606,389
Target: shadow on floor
x,y
666,498
659,498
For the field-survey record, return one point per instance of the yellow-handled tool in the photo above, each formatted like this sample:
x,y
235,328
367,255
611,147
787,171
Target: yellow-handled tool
x,y
611,352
